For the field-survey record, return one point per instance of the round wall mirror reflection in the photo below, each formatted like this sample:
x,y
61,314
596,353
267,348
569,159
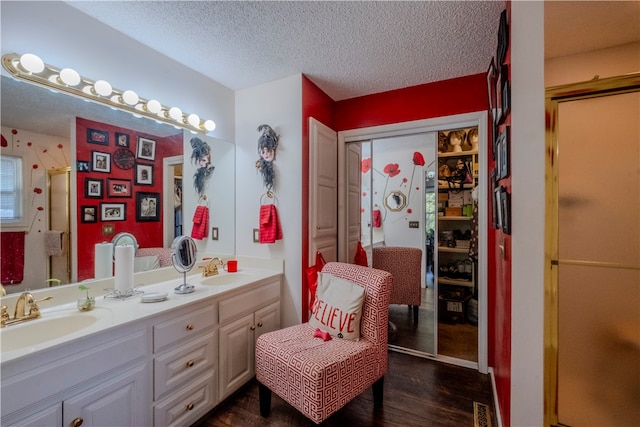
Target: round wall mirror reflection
x,y
395,201
183,258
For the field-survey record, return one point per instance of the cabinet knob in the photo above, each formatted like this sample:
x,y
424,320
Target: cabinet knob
x,y
190,327
253,327
190,406
259,324
190,363
77,422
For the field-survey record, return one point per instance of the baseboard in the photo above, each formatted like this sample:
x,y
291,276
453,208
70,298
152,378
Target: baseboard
x,y
496,404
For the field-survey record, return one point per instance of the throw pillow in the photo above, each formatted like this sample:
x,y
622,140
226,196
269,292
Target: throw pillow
x,y
338,307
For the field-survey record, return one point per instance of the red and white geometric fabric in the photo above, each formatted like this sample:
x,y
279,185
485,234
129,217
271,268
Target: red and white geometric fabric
x,y
163,254
319,377
406,266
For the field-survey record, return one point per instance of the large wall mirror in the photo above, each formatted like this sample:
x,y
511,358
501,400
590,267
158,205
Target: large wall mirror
x,y
41,126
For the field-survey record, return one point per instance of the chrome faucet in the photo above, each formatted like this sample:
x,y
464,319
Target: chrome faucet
x,y
20,314
211,269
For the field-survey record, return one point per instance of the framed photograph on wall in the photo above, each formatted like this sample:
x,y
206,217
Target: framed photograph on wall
x,y
89,214
122,140
144,174
497,205
505,92
505,207
502,161
93,188
100,162
82,166
492,77
100,137
113,211
503,38
147,207
118,187
146,148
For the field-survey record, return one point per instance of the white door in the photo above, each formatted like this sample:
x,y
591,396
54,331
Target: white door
x,y
323,191
354,197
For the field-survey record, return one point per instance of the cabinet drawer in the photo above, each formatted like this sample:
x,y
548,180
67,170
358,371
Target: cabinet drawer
x,y
184,363
181,327
186,405
248,302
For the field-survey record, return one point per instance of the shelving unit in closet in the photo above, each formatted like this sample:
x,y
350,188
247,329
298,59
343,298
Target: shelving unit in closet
x,y
457,178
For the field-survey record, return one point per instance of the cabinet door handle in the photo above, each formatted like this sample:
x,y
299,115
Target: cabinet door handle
x,y
253,327
190,363
190,327
77,422
190,406
259,324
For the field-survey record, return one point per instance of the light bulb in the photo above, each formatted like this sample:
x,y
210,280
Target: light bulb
x,y
209,125
32,63
130,97
175,113
193,120
154,106
69,76
102,88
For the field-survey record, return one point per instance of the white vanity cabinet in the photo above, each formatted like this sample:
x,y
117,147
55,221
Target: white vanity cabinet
x,y
184,365
164,364
243,318
101,380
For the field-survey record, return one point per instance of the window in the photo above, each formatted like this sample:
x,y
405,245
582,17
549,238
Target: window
x,y
11,194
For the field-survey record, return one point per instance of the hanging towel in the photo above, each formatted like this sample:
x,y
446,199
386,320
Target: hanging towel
x,y
53,243
12,242
377,218
200,228
270,229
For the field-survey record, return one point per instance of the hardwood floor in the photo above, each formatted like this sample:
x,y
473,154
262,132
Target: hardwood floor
x,y
417,392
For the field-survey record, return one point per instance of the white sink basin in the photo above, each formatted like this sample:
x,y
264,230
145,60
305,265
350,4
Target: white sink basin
x,y
49,327
226,279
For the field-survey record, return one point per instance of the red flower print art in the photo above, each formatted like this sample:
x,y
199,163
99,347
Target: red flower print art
x,y
392,169
366,165
418,160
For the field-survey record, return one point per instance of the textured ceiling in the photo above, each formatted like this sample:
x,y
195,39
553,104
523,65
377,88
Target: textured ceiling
x,y
348,49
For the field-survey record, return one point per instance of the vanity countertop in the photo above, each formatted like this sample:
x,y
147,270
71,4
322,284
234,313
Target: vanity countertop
x,y
62,323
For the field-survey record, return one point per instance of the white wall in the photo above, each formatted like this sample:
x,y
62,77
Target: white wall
x,y
528,201
583,67
278,104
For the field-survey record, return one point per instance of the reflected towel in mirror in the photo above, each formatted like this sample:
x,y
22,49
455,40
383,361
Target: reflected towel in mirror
x,y
53,242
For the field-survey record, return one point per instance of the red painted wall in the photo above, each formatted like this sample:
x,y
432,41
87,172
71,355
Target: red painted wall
x,y
148,234
316,104
444,98
499,271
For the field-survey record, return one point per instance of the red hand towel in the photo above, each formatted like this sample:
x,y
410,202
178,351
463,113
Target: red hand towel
x,y
377,218
12,266
200,228
270,229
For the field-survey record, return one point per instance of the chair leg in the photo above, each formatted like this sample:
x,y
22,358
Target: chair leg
x,y
416,310
265,400
378,389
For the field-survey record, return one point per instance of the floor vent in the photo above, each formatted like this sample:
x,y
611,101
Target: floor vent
x,y
481,415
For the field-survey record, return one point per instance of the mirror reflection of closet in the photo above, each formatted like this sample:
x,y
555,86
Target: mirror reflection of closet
x,y
398,209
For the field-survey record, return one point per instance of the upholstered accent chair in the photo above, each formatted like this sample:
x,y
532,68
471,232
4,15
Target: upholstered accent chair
x,y
319,377
405,264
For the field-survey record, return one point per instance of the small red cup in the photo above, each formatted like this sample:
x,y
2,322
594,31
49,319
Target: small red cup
x,y
231,266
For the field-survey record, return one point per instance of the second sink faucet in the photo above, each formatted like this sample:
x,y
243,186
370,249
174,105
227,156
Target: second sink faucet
x,y
20,313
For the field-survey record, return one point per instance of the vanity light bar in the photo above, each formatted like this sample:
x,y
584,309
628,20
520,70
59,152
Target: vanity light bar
x,y
31,68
